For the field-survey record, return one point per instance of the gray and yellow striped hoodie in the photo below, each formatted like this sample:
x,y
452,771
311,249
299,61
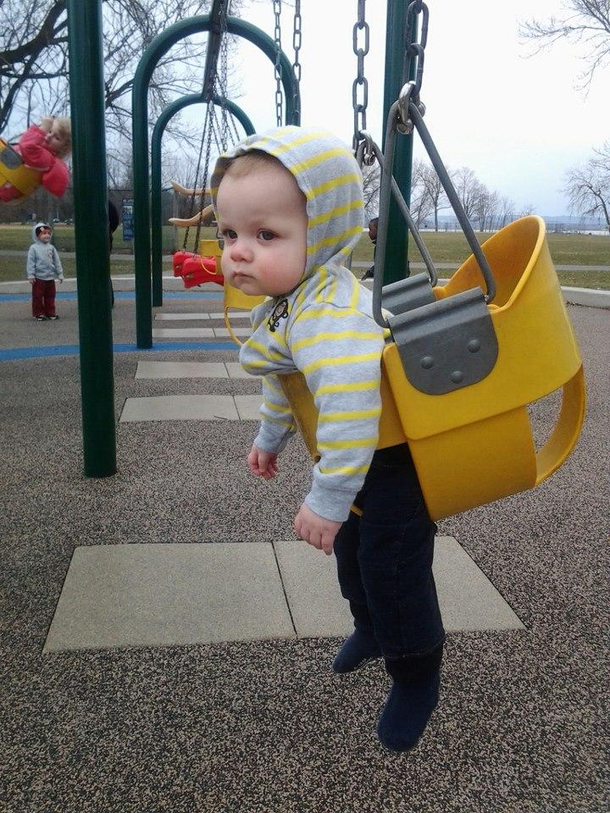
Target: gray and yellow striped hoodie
x,y
324,327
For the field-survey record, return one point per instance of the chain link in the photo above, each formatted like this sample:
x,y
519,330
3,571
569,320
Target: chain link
x,y
360,81
277,38
414,48
296,65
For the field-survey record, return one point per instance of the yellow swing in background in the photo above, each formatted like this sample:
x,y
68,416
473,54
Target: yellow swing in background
x,y
233,298
14,172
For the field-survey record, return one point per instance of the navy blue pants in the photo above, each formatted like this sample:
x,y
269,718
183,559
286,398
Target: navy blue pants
x,y
384,564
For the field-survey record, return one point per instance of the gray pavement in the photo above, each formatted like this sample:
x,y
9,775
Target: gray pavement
x,y
262,724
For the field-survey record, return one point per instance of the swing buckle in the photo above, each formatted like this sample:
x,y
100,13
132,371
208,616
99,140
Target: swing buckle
x,y
447,344
404,123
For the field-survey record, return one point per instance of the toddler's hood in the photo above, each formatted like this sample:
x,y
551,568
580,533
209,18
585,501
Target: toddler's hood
x,y
329,177
38,226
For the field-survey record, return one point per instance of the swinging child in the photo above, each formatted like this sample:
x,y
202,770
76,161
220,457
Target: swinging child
x,y
289,207
41,148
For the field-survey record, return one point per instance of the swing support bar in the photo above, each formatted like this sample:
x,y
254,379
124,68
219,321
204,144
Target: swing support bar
x,y
141,181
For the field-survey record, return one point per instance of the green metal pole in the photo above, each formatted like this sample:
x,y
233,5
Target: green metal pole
x,y
141,197
91,235
397,264
155,178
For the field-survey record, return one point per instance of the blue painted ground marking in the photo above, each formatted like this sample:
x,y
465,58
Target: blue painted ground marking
x,y
21,353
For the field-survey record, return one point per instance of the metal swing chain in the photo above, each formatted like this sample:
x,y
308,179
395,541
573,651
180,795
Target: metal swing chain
x,y
296,65
413,49
277,38
222,91
409,113
360,81
206,169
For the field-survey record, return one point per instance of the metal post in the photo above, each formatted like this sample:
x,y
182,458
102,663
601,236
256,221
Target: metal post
x,y
91,235
397,264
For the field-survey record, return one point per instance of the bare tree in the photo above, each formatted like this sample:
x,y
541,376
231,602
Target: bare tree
x,y
486,209
34,62
468,189
435,192
506,211
588,187
371,181
585,22
421,205
526,209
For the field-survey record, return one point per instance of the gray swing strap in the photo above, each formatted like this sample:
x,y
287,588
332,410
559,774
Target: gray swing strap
x,y
10,157
444,344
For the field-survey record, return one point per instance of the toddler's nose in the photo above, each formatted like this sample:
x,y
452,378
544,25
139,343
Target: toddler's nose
x,y
240,250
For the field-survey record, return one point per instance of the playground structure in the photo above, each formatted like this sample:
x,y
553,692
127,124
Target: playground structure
x,y
466,359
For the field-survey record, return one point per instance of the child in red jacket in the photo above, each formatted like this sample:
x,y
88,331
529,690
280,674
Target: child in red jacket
x,y
42,147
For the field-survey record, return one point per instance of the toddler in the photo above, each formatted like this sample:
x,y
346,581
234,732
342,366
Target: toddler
x,y
42,147
289,208
43,268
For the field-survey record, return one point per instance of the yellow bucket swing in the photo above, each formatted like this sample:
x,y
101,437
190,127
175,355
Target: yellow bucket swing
x,y
233,298
462,365
14,172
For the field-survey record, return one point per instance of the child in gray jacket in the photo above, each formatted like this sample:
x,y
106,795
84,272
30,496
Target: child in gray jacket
x,y
289,207
43,268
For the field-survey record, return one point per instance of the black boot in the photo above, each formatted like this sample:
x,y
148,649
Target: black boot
x,y
358,650
411,701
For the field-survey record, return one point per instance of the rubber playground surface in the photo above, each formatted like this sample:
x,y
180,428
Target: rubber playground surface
x,y
262,724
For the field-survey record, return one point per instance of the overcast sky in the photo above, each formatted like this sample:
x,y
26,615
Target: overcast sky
x,y
518,122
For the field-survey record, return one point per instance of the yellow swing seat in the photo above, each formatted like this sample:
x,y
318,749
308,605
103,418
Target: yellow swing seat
x,y
233,298
475,444
14,172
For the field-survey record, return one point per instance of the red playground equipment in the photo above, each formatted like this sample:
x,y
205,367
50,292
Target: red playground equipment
x,y
195,270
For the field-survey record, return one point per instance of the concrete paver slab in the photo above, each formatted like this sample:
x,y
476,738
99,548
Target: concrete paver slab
x,y
180,408
181,369
312,590
168,317
248,407
235,370
222,332
183,333
169,594
235,315
468,600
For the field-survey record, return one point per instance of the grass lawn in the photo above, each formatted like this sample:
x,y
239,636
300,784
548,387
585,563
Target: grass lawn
x,y
446,247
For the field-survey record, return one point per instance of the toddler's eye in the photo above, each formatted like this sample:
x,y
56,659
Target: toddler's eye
x,y
228,234
266,235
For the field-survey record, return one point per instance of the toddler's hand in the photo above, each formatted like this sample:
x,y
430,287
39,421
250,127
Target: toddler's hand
x,y
262,464
316,530
31,280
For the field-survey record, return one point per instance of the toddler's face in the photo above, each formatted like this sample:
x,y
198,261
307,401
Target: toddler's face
x,y
44,235
263,221
54,139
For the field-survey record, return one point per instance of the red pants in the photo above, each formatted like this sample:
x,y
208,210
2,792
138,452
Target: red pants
x,y
43,297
